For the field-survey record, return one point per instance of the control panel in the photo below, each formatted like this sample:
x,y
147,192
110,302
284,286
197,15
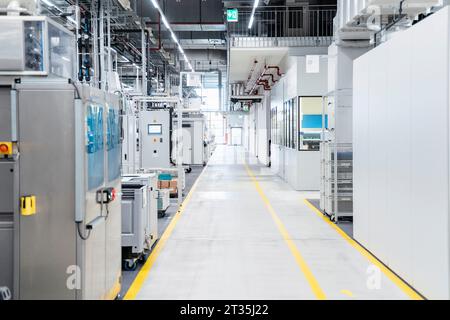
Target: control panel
x,y
154,126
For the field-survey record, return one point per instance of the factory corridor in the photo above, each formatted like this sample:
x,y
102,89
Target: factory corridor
x,y
243,233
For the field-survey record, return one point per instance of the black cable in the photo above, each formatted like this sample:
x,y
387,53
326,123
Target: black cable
x,y
80,233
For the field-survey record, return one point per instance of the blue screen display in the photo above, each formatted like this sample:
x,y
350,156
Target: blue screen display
x,y
94,146
113,144
313,121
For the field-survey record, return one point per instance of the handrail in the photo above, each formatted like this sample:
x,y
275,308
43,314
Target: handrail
x,y
291,22
319,6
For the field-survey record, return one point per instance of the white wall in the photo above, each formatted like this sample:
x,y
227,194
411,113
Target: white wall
x,y
263,122
301,169
401,154
258,122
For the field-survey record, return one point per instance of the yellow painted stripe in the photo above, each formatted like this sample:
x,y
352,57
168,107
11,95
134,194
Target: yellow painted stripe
x,y
372,259
143,273
314,284
347,293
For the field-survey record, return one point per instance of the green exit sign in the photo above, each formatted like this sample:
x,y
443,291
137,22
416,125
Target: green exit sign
x,y
232,15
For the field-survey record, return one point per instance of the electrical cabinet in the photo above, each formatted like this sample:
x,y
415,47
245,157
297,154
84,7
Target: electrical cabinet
x,y
58,215
154,138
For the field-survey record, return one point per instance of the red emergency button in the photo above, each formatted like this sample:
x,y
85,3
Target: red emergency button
x,y
4,148
113,194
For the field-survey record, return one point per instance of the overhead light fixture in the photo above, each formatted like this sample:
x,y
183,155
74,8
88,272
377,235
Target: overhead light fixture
x,y
174,37
252,17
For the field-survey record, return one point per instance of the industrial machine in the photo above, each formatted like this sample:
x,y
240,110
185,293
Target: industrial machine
x,y
194,143
130,141
139,217
60,170
154,138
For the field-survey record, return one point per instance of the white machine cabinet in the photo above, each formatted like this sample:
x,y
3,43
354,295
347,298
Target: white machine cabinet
x,y
193,140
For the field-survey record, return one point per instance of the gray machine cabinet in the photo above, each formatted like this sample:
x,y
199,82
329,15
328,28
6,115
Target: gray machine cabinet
x,y
154,138
6,223
139,212
52,260
134,208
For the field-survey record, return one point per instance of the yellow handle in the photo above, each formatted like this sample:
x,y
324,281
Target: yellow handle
x,y
28,205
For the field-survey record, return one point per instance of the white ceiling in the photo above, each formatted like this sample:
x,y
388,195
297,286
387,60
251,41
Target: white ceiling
x,y
241,60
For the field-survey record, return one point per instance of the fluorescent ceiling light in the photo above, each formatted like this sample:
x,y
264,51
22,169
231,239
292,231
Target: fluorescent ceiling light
x,y
252,17
155,4
48,3
164,20
174,37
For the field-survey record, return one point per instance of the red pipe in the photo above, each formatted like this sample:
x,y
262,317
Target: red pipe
x,y
271,75
275,67
264,83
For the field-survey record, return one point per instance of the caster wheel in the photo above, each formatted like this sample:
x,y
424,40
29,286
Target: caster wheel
x,y
143,258
129,265
188,170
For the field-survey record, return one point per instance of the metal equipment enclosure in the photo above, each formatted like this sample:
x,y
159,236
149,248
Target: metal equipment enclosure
x,y
139,213
154,138
193,129
60,224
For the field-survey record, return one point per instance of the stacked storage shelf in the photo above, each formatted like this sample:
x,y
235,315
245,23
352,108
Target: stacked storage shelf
x,y
337,175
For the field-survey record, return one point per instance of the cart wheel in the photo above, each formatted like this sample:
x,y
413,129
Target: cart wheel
x,y
143,257
129,265
188,170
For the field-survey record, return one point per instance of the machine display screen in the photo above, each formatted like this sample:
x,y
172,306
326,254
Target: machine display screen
x,y
155,129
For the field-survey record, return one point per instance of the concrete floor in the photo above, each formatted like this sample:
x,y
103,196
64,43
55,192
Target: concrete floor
x,y
245,234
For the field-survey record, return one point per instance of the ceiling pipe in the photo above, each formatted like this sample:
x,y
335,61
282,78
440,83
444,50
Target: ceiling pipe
x,y
265,74
269,75
265,84
275,67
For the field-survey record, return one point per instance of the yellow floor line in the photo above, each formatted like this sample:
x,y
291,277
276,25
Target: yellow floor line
x,y
315,287
143,273
372,259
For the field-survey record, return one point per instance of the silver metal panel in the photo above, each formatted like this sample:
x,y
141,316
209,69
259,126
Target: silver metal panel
x,y
133,221
127,219
12,54
113,247
6,223
113,223
6,186
6,251
5,113
150,222
48,236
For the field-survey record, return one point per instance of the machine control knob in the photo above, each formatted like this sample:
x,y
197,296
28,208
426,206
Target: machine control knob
x,y
4,148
